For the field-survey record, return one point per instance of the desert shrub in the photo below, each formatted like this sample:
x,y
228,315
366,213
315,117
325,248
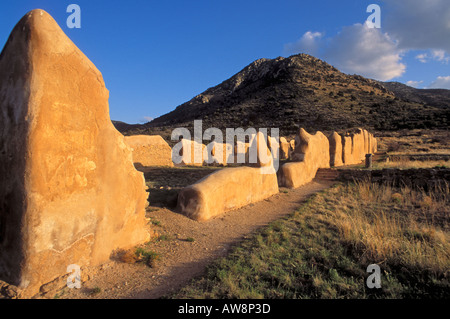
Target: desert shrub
x,y
393,146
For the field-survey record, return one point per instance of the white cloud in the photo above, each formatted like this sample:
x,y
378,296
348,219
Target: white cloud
x,y
442,82
377,53
440,55
423,57
146,119
366,51
436,55
356,49
418,24
309,43
414,84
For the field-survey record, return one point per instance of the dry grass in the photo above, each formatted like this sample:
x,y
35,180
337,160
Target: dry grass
x,y
415,142
323,249
404,164
405,225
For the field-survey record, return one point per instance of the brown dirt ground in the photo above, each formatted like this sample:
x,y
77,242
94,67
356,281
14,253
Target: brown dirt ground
x,y
186,247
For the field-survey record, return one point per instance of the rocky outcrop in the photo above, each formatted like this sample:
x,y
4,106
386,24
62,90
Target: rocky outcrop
x,y
278,93
311,153
69,193
149,150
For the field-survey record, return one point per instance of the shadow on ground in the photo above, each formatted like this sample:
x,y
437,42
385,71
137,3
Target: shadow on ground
x,y
164,183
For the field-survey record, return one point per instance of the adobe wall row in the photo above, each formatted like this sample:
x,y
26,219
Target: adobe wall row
x,y
234,187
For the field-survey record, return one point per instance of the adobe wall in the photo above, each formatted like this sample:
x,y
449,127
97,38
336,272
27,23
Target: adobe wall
x,y
191,153
69,192
225,190
230,188
149,150
311,153
335,150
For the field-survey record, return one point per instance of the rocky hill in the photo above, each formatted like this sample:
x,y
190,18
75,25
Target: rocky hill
x,y
432,97
303,91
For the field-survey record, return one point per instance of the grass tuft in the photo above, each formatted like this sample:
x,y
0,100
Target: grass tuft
x,y
147,256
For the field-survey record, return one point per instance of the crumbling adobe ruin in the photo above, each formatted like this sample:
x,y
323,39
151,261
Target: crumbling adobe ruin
x,y
230,188
317,151
191,153
311,153
149,150
335,150
69,193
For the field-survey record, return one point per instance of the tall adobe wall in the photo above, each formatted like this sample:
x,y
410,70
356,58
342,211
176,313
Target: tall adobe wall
x,y
69,193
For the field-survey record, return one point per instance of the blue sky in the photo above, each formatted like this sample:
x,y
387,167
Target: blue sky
x,y
156,55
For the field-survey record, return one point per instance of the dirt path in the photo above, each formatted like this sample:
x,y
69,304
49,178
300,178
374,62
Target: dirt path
x,y
187,247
